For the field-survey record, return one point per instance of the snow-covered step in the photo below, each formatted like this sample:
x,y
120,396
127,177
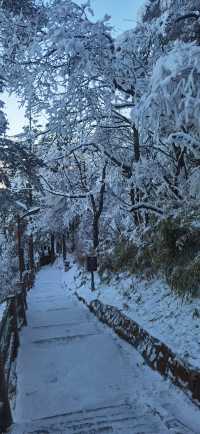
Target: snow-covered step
x,y
122,419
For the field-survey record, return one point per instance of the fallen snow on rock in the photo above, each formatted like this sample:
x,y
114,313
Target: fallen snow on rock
x,y
152,304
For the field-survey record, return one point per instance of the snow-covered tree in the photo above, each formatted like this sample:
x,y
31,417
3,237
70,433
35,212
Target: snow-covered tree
x,y
27,7
170,115
120,146
178,19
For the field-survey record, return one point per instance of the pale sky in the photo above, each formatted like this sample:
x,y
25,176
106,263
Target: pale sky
x,y
123,17
123,12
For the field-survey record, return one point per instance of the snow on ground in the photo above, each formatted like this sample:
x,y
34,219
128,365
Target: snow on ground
x,y
152,304
75,375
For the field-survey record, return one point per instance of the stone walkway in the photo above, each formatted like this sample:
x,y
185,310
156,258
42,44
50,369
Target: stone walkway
x,y
75,376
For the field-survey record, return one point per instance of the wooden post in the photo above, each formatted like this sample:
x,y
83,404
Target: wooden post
x,y
20,300
5,411
13,310
31,253
26,286
23,308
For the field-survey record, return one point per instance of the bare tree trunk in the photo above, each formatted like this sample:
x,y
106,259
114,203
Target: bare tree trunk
x,y
134,201
64,247
52,248
97,209
181,165
31,253
134,192
136,143
95,231
20,251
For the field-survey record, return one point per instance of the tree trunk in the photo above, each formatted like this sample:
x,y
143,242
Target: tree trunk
x,y
64,247
20,251
52,248
31,253
134,201
136,143
95,231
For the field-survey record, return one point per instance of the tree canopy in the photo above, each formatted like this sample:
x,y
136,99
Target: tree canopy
x,y
119,147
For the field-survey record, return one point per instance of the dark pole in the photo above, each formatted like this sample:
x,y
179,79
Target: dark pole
x,y
92,281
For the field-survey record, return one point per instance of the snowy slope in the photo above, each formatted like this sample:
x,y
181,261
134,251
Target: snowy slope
x,y
153,305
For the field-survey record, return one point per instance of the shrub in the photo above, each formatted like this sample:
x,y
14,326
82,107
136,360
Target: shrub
x,y
185,280
124,256
170,250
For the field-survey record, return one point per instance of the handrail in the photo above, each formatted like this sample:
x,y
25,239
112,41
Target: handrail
x,y
14,317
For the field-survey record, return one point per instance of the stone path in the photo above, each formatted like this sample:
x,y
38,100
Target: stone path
x,y
75,376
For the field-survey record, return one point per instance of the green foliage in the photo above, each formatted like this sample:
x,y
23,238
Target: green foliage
x,y
185,280
171,250
175,255
124,255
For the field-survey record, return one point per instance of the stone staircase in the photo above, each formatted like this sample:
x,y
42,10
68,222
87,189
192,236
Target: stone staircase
x,y
122,418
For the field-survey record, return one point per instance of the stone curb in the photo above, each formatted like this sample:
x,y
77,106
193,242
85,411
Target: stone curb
x,y
156,354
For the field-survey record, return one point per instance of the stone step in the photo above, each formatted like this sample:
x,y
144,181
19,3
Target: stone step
x,y
124,419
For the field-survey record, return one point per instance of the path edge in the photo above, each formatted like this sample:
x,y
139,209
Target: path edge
x,y
155,352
